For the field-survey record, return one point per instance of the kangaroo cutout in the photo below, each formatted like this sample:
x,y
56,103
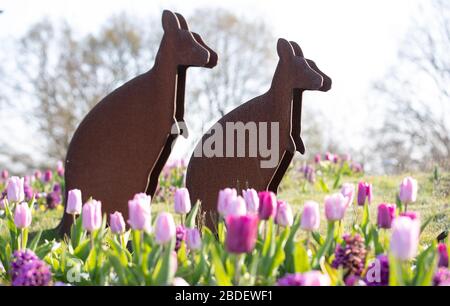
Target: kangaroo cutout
x,y
207,174
122,144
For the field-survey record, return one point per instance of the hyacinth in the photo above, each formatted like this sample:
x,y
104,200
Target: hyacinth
x,y
53,199
180,236
441,277
28,270
379,277
351,255
295,279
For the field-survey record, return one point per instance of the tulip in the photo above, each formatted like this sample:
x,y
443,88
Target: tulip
x,y
317,158
364,192
74,202
329,156
139,211
92,215
5,174
242,232
405,238
182,201
443,255
411,214
315,278
386,214
60,168
335,207
37,174
225,197
267,205
237,207
408,190
284,214
116,223
252,200
178,281
48,175
193,239
165,228
15,190
310,217
348,191
22,216
2,203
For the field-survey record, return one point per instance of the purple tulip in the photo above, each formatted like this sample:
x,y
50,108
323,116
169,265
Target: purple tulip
x,y
92,215
182,201
164,228
225,197
310,217
348,191
22,215
386,214
60,168
48,175
317,158
267,205
139,211
116,223
284,216
193,239
408,190
405,238
180,235
28,192
335,207
74,202
443,255
15,189
364,192
242,232
252,200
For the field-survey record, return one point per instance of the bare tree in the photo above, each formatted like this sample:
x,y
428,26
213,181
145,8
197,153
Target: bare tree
x,y
416,130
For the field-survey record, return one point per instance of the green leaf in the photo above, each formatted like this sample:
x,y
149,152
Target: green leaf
x,y
425,266
165,275
326,246
323,185
222,279
279,256
34,243
425,224
301,260
192,216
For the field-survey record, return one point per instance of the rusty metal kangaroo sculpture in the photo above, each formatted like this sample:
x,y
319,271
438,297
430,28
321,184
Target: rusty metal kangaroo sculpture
x,y
121,146
208,173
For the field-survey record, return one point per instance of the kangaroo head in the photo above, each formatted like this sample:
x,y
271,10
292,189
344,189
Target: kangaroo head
x,y
299,74
187,50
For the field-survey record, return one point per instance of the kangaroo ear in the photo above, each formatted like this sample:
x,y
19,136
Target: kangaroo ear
x,y
170,21
182,21
284,49
297,50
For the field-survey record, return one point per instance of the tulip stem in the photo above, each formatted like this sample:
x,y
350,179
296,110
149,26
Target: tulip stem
x,y
237,268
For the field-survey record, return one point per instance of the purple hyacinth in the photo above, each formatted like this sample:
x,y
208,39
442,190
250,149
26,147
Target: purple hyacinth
x,y
180,236
378,277
291,280
351,255
28,191
53,199
442,276
28,270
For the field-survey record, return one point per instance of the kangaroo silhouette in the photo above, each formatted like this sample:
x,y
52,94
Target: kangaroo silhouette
x,y
121,146
208,173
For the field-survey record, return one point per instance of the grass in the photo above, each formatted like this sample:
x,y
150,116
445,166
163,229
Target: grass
x,y
433,201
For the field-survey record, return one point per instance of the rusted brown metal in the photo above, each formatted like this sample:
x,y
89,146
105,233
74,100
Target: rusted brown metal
x,y
121,146
206,175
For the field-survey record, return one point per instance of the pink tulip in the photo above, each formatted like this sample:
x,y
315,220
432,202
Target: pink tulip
x,y
193,239
74,202
182,201
116,223
405,238
15,189
348,191
236,207
408,190
252,200
165,228
48,175
5,174
317,158
22,215
315,278
92,215
329,157
37,174
284,216
311,216
386,214
335,207
139,211
180,282
267,205
60,168
412,215
364,192
225,197
242,232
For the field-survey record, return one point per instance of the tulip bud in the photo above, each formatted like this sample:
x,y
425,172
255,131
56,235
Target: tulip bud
x,y
225,197
317,158
335,207
310,217
405,238
37,174
443,255
139,211
92,215
267,205
284,214
348,191
408,190
74,202
48,175
252,200
193,239
164,228
116,223
242,232
182,201
386,214
5,174
60,168
22,215
236,207
364,192
15,190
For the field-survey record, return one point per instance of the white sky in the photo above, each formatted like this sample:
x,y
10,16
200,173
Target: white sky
x,y
353,41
